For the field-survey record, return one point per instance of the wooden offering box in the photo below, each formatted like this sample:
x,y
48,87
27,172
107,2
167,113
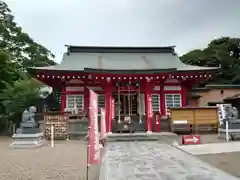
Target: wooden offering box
x,y
194,119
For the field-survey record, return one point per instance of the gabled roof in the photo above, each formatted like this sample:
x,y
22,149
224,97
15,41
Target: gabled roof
x,y
121,59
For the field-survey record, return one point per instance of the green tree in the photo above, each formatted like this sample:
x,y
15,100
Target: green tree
x,y
20,46
222,52
16,97
8,69
18,51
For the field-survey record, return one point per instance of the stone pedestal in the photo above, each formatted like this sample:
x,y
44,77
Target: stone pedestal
x,y
28,139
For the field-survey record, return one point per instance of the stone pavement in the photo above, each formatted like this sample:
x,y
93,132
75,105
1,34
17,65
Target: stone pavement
x,y
139,160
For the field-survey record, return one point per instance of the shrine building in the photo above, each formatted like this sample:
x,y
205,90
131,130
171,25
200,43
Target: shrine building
x,y
141,80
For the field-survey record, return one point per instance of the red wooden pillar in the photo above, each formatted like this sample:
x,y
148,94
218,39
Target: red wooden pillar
x,y
148,106
63,99
108,105
86,100
184,95
162,100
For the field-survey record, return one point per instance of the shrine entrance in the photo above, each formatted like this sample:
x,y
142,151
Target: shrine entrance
x,y
127,99
129,104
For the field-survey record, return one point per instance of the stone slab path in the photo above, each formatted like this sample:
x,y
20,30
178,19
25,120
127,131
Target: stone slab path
x,y
154,161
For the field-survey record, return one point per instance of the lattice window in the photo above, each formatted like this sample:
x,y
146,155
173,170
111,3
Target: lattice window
x,y
101,101
75,99
155,102
173,100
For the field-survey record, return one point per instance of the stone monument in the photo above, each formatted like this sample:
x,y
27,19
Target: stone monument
x,y
29,134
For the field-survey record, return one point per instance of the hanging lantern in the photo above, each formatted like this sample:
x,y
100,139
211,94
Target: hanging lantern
x,y
108,79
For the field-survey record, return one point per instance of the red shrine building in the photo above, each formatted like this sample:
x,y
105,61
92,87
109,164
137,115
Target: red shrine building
x,y
141,80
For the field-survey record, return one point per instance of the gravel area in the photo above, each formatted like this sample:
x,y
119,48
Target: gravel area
x,y
66,161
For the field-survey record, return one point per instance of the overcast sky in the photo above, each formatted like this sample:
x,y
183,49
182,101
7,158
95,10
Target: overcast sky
x,y
188,24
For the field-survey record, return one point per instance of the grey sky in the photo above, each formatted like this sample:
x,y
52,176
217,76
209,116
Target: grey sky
x,y
188,24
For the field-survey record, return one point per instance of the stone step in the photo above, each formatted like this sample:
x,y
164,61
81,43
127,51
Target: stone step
x,y
136,136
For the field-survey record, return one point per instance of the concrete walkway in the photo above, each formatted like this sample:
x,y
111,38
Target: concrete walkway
x,y
154,161
213,148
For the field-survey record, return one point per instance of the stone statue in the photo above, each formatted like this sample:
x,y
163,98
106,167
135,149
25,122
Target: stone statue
x,y
28,118
231,114
29,134
234,113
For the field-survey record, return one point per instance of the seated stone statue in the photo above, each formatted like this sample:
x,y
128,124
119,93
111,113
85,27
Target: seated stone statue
x,y
28,118
234,112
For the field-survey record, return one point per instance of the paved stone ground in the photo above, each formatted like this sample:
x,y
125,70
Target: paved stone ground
x,y
155,160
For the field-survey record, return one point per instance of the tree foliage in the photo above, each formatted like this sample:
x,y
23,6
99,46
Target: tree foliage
x,y
17,52
22,48
17,96
8,69
223,52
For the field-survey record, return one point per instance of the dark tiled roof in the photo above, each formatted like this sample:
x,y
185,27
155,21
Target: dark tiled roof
x,y
136,59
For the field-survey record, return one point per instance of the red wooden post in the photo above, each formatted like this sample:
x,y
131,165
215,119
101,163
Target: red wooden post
x,y
110,113
63,99
86,100
184,95
108,105
148,104
162,100
157,122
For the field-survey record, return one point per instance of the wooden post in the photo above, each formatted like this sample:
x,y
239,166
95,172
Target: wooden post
x,y
52,136
108,106
227,135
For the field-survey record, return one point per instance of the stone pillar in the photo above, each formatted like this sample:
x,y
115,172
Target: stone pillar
x,y
108,104
148,106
